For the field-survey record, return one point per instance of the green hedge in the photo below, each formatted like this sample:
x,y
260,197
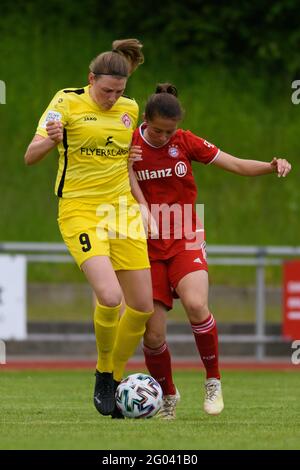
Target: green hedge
x,y
261,34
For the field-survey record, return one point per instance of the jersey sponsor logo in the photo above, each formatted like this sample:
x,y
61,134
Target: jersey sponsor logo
x,y
173,151
180,169
109,140
100,152
51,116
143,175
90,118
126,120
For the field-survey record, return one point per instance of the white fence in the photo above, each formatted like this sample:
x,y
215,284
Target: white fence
x,y
257,256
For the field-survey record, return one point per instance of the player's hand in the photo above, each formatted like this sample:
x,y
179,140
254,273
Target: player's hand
x,y
149,222
135,154
55,131
281,166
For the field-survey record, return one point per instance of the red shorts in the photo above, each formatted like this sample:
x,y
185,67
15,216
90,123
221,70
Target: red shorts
x,y
167,273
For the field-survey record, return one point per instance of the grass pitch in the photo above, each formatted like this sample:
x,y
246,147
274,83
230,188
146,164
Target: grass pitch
x,y
54,410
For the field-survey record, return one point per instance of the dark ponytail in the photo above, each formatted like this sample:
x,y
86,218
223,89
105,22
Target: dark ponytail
x,y
166,88
164,103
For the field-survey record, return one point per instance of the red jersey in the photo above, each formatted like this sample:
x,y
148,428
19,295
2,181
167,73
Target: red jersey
x,y
166,179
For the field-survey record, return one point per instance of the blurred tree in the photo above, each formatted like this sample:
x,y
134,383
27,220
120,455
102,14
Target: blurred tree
x,y
261,34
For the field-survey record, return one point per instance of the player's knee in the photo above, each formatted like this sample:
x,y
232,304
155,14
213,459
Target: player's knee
x,y
109,299
154,339
143,305
197,310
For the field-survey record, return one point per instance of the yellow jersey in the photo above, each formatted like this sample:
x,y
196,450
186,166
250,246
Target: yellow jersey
x,y
93,155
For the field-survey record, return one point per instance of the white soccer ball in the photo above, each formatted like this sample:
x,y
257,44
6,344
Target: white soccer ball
x,y
139,396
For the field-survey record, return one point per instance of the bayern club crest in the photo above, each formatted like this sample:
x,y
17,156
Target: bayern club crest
x,y
173,151
126,120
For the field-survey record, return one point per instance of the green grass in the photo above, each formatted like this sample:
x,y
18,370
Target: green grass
x,y
81,309
65,301
54,410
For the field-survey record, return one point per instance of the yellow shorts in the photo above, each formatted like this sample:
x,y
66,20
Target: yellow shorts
x,y
115,230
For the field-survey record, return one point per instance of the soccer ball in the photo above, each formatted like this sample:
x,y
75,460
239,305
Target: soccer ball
x,y
139,396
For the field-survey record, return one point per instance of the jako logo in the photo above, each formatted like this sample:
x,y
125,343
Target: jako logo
x,y
180,169
2,92
296,354
90,118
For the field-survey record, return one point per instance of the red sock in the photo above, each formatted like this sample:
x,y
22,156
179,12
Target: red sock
x,y
206,337
158,362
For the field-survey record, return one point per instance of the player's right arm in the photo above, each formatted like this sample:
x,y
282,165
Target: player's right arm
x,y
49,132
40,146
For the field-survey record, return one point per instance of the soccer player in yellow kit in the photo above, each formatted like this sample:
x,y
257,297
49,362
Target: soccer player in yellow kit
x,y
98,217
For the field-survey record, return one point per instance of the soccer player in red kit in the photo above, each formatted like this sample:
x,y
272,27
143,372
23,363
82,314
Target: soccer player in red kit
x,y
162,180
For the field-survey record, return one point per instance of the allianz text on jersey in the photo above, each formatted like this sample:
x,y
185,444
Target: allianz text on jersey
x,y
180,171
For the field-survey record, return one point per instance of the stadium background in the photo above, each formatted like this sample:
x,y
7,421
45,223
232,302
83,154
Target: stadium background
x,y
233,63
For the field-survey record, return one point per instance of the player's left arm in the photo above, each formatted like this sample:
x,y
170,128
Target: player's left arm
x,y
245,167
148,219
135,187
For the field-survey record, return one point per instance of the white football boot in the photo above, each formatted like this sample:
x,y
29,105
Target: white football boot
x,y
213,401
168,409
